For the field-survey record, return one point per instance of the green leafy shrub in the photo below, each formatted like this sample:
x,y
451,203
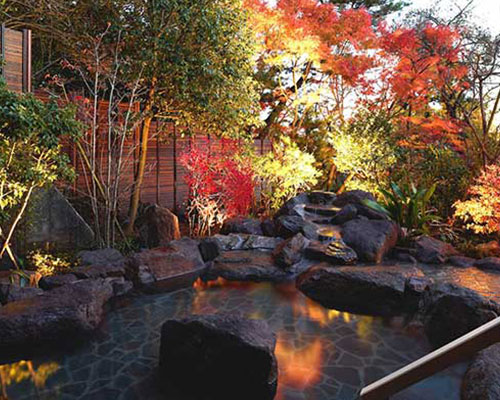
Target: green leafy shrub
x,y
364,152
30,154
434,164
408,206
284,173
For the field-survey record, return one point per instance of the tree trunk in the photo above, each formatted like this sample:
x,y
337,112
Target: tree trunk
x,y
136,194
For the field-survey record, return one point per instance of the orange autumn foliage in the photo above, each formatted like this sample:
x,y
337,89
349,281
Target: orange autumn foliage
x,y
398,71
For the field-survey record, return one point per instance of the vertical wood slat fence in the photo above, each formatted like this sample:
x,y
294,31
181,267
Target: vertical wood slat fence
x,y
164,179
15,53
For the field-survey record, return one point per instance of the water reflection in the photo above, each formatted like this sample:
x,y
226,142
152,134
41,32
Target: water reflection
x,y
322,354
22,371
301,367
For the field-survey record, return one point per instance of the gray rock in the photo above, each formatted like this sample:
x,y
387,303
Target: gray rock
x,y
310,230
288,226
157,226
369,212
461,261
491,263
99,271
144,276
55,281
52,219
242,225
336,252
209,249
57,314
166,268
101,257
352,197
415,288
268,228
433,251
374,290
120,286
242,241
322,209
482,379
370,239
10,293
228,357
450,311
320,197
248,266
290,251
347,213
294,206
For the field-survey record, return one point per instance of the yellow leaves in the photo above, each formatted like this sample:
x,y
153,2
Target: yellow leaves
x,y
481,213
48,264
284,173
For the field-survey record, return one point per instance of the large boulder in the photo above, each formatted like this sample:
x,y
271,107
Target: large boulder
x,y
99,271
348,212
101,257
461,261
433,251
450,311
290,251
294,206
55,281
482,379
491,263
61,313
376,290
246,265
51,219
219,357
321,197
288,226
242,225
370,239
12,292
158,226
352,197
490,249
243,241
336,252
166,268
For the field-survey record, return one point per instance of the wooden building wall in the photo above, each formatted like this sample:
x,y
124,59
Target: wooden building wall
x,y
15,53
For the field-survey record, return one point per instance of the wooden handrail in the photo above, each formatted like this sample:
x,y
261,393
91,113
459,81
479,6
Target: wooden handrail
x,y
460,349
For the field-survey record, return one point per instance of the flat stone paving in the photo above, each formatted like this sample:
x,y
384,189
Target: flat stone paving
x,y
322,354
484,282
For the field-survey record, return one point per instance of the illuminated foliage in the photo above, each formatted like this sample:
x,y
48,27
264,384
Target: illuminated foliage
x,y
284,173
25,370
30,155
363,152
481,213
47,264
220,184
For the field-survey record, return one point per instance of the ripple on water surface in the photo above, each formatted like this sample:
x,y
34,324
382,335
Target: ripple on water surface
x,y
322,354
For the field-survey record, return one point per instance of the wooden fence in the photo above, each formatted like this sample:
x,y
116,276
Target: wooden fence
x,y
164,182
15,54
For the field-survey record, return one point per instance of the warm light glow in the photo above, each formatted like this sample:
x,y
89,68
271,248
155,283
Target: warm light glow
x,y
24,370
200,284
317,313
299,368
